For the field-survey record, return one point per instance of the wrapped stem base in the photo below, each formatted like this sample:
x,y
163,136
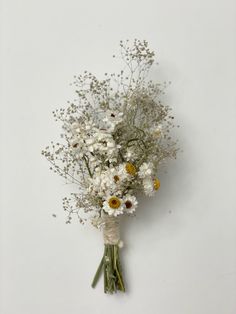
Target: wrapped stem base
x,y
110,264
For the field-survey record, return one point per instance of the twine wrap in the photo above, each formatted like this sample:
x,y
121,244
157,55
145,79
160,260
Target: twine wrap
x,y
111,230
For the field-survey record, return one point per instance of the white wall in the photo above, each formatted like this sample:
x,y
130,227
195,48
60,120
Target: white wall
x,y
179,254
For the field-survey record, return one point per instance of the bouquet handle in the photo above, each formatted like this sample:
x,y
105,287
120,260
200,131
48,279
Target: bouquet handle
x,y
110,263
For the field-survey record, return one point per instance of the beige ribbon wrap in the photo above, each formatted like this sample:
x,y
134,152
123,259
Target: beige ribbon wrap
x,y
111,230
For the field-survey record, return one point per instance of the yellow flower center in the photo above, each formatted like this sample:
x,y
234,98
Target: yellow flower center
x,y
130,168
156,184
114,202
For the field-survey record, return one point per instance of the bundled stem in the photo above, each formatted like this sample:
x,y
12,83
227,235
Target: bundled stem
x,y
111,267
110,262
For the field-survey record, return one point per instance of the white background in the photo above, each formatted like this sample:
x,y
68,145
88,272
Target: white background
x,y
180,250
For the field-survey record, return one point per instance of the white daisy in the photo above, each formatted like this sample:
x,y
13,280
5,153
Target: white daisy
x,y
130,203
113,205
117,175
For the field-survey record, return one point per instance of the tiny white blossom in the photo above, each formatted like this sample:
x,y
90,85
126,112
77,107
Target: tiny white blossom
x,y
112,118
145,170
130,154
157,131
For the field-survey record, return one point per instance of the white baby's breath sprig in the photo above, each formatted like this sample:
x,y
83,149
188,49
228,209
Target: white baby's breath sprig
x,y
116,135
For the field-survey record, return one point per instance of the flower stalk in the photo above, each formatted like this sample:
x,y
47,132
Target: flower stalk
x,y
110,266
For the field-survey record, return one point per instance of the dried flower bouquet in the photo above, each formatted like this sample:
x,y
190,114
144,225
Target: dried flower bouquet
x,y
116,134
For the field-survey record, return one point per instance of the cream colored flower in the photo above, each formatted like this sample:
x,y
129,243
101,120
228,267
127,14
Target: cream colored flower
x,y
130,203
130,154
145,170
148,186
113,206
112,118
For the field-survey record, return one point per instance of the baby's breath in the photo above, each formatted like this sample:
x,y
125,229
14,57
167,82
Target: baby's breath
x,y
116,134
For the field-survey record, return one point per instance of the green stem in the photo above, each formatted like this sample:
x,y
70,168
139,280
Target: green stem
x,y
105,270
117,268
98,273
87,166
110,263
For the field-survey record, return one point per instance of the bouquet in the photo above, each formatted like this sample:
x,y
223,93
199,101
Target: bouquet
x,y
116,135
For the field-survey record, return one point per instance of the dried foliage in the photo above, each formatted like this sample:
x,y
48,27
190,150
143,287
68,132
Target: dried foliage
x,y
115,137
